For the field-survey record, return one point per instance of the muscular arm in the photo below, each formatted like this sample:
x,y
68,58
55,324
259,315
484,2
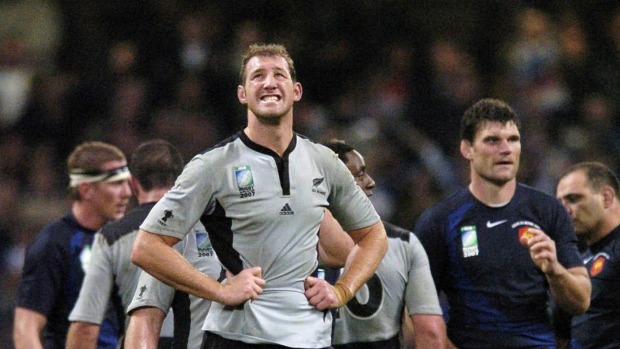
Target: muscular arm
x,y
334,243
429,331
27,327
570,288
155,255
82,335
364,258
144,328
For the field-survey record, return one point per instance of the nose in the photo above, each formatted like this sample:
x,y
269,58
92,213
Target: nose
x,y
270,81
369,184
504,146
126,189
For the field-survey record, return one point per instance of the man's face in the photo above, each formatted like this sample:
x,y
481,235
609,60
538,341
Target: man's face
x,y
269,90
110,199
355,163
585,207
495,152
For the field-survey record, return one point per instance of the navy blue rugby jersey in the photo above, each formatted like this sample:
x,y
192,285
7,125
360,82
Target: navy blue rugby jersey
x,y
599,327
497,295
52,277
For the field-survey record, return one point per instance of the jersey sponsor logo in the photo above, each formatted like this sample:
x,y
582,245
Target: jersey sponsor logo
x,y
469,238
315,186
204,244
167,215
286,210
495,224
598,264
245,181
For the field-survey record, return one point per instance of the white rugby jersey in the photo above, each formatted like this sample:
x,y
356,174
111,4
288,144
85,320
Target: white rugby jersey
x,y
189,311
264,210
403,279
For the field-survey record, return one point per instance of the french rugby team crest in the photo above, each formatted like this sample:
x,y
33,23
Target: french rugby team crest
x,y
598,264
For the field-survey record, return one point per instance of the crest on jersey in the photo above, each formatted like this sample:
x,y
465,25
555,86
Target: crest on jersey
x,y
598,264
245,181
205,249
469,238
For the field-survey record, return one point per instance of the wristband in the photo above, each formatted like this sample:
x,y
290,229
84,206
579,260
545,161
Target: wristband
x,y
343,293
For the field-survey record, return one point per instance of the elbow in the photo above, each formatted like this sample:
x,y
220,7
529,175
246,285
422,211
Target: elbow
x,y
583,305
137,252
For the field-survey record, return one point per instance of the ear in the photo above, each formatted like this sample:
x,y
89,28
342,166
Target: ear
x,y
466,149
84,189
298,92
241,94
608,196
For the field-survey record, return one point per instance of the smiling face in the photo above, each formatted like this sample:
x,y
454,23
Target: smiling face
x,y
269,90
494,153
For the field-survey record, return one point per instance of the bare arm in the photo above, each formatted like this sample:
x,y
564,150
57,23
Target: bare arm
x,y
144,328
82,335
429,331
27,327
334,243
370,247
362,261
570,288
155,255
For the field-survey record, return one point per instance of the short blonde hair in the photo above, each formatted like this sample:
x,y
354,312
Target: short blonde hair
x,y
266,50
90,157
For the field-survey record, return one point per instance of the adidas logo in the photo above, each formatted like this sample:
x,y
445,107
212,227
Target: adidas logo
x,y
286,210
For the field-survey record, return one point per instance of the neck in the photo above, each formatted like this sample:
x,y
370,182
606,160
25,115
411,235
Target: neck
x,y
152,195
492,194
275,136
86,216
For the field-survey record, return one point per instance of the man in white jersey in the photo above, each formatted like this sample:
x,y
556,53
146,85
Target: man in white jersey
x,y
154,167
153,299
261,195
373,318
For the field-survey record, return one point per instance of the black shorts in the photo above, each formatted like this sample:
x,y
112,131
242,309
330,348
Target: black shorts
x,y
213,341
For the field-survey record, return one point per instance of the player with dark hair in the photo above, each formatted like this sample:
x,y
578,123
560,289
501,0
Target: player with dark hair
x,y
498,248
590,191
402,281
58,257
154,166
261,194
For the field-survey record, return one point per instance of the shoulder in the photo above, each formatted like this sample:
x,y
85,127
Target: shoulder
x,y
396,232
307,144
113,231
525,192
56,232
461,200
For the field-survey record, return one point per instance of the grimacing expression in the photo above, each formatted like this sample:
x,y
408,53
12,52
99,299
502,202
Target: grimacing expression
x,y
495,152
269,91
357,166
110,199
585,206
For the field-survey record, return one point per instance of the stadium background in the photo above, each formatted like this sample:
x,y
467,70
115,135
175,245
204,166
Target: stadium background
x,y
390,77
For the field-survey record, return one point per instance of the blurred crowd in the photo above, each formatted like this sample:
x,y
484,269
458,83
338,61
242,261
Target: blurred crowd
x,y
390,77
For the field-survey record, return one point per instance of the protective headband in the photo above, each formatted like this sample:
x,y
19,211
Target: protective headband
x,y
79,176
